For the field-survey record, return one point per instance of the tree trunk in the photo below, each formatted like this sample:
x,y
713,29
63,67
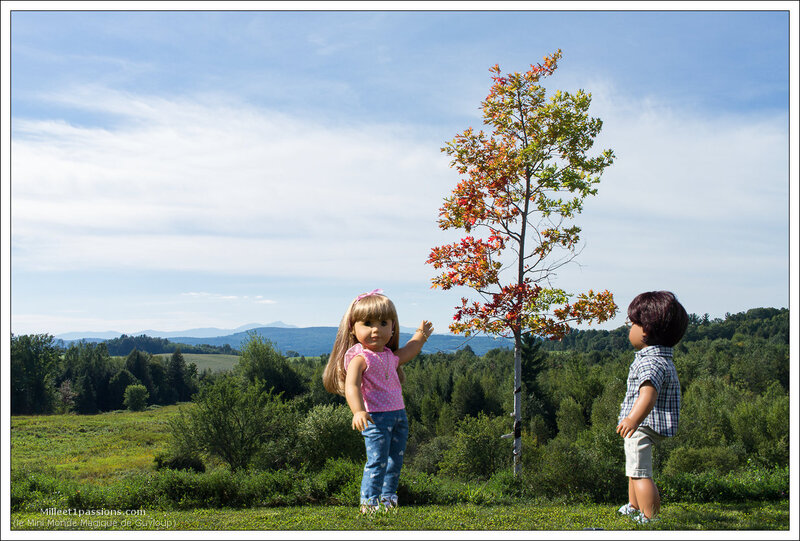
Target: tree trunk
x,y
517,404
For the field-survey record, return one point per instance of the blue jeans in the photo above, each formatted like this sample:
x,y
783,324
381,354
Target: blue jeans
x,y
385,440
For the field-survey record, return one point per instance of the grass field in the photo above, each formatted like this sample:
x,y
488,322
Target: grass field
x,y
90,447
99,449
213,361
538,517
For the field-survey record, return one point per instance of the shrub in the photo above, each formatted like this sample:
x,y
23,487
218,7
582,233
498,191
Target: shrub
x,y
569,418
339,482
718,459
560,470
477,451
38,489
179,461
326,433
752,483
430,454
231,419
135,398
418,488
504,484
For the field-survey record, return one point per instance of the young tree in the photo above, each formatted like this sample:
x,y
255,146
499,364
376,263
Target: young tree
x,y
522,184
261,361
231,419
136,397
117,385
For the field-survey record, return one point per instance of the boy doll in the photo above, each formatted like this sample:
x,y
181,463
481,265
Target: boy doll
x,y
649,412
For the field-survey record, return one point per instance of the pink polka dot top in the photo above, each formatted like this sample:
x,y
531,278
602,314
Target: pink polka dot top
x,y
380,385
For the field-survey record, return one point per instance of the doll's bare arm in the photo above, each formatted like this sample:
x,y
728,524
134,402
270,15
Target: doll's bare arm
x,y
352,392
414,346
641,409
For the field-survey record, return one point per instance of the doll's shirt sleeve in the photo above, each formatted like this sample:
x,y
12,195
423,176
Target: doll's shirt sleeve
x,y
352,353
651,369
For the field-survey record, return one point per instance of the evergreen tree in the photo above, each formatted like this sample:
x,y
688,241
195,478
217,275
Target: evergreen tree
x,y
117,385
33,358
85,395
138,364
178,378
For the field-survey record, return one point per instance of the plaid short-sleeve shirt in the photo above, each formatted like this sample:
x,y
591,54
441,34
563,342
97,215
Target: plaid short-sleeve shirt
x,y
654,364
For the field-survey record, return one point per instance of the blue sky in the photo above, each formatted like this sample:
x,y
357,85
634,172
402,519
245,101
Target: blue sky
x,y
172,170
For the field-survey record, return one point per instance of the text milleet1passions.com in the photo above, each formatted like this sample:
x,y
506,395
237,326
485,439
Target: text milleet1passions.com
x,y
94,519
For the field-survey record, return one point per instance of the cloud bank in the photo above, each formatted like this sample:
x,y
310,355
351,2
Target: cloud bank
x,y
209,184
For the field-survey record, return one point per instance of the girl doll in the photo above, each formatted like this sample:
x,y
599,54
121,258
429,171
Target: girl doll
x,y
365,367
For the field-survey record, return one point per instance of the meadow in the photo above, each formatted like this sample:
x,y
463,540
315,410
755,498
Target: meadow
x,y
101,455
214,362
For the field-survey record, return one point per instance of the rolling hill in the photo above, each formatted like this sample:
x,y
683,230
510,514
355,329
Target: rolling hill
x,y
314,341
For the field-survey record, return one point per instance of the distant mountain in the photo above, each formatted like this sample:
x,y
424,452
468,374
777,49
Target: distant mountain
x,y
307,341
314,341
204,332
99,335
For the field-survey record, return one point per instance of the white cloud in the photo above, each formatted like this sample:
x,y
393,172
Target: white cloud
x,y
202,295
214,186
693,203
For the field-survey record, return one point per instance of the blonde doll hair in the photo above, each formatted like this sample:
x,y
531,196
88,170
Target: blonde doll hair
x,y
364,308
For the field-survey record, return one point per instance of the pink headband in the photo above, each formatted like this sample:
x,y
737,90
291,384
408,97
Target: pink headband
x,y
373,292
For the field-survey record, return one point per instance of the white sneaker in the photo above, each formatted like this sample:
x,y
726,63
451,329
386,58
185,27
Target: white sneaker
x,y
366,509
639,518
627,509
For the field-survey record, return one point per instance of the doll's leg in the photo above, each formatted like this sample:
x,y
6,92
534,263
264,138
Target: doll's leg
x,y
632,494
377,438
647,496
397,448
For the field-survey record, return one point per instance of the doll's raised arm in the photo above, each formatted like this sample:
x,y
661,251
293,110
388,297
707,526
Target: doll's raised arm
x,y
414,346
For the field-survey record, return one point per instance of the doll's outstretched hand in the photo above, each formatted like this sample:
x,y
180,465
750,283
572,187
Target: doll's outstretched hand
x,y
427,328
361,419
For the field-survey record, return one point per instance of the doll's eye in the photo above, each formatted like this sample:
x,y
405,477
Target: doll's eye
x,y
384,323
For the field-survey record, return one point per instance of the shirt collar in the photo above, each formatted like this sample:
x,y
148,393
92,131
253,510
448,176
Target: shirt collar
x,y
660,351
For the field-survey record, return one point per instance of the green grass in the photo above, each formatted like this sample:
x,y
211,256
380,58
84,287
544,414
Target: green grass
x,y
90,447
104,450
212,361
522,517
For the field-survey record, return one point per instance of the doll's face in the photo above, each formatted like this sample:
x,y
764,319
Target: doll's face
x,y
637,336
373,334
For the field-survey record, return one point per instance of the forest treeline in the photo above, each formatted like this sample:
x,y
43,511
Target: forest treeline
x,y
734,376
124,344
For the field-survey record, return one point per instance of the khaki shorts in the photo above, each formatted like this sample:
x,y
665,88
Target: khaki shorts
x,y
639,452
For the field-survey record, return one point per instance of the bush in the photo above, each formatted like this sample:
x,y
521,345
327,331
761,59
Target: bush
x,y
477,451
718,459
34,490
326,433
423,489
560,470
233,420
430,455
752,483
589,468
339,483
180,461
136,397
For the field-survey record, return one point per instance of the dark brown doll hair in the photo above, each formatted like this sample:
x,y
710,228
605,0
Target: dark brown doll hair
x,y
662,318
